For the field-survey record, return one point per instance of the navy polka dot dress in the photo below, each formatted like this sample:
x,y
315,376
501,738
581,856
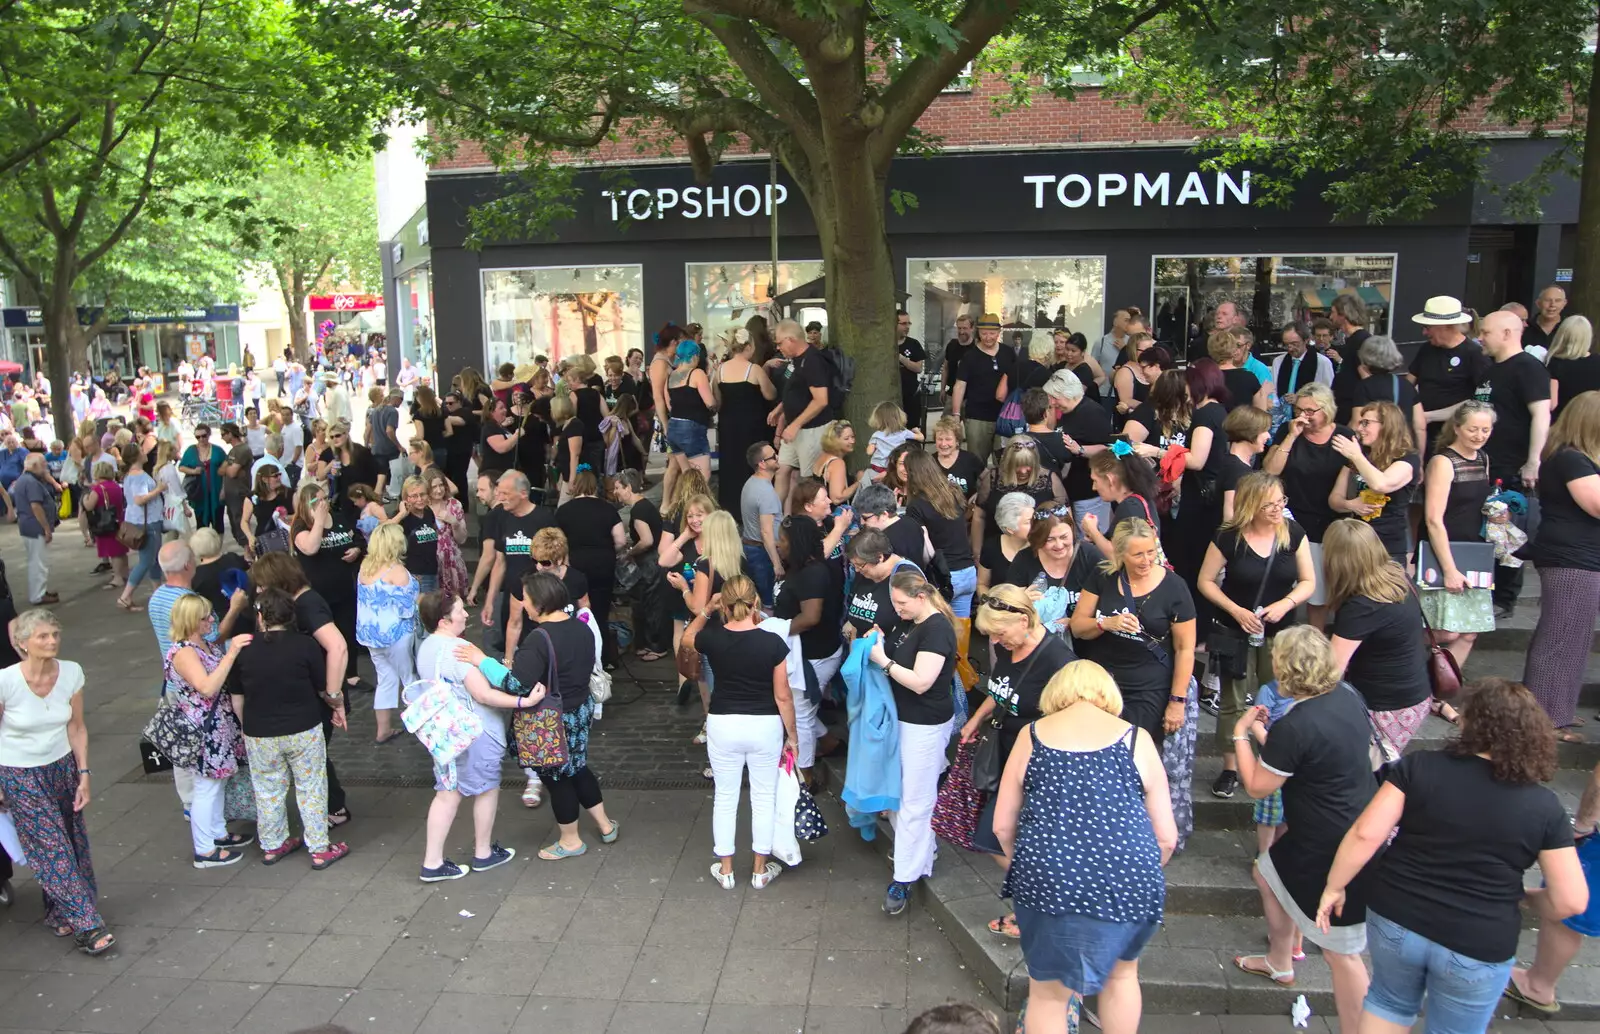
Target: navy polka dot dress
x,y
1085,845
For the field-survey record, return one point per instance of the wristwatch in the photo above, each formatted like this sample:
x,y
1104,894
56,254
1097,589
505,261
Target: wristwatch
x,y
84,772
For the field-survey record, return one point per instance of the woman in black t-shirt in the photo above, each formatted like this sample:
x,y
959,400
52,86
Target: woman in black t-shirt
x,y
961,467
1256,572
1053,571
1566,548
569,443
1455,486
1128,484
1248,431
1377,631
751,721
428,424
587,386
652,609
1470,821
323,533
571,787
1303,455
497,453
1574,367
942,510
1317,754
594,539
1376,484
1018,468
920,663
1013,515
810,597
417,519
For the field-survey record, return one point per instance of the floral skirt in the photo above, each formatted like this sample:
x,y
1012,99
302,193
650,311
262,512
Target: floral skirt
x,y
1469,611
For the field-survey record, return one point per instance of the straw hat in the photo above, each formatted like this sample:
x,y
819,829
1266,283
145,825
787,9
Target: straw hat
x,y
1441,311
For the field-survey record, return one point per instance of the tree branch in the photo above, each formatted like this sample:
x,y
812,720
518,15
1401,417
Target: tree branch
x,y
111,240
920,84
22,269
795,106
781,17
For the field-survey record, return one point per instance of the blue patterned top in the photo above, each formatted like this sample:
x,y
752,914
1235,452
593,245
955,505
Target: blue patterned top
x,y
1085,845
385,613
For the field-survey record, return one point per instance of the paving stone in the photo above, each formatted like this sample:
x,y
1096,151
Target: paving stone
x,y
587,970
307,908
544,1013
861,926
863,978
674,975
500,968
127,1004
259,957
741,1019
655,1018
773,976
833,1019
337,960
531,919
696,923
380,910
49,1000
159,904
603,918
384,1011
183,954
239,909
207,1006
479,1013
288,1007
775,923
420,964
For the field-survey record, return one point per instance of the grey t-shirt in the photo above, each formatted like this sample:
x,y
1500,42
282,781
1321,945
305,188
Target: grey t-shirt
x,y
756,498
26,491
381,418
436,660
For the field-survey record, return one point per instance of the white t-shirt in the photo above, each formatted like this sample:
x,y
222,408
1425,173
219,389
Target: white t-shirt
x,y
294,439
33,729
436,660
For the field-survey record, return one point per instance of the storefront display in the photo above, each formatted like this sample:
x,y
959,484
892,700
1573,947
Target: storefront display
x,y
723,295
561,312
1269,290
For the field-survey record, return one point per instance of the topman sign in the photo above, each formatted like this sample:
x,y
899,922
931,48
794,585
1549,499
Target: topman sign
x,y
1164,189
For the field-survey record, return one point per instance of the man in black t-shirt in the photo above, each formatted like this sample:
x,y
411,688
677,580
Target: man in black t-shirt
x,y
802,413
910,354
1518,386
519,521
1448,370
954,350
1349,315
981,382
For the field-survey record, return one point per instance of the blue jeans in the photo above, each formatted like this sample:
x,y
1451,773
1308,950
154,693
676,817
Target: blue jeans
x,y
758,565
1461,991
964,583
148,564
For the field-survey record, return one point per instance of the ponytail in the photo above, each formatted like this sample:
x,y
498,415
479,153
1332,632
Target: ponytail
x,y
912,583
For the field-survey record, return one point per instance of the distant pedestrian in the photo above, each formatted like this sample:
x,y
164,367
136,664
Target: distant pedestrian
x,y
37,517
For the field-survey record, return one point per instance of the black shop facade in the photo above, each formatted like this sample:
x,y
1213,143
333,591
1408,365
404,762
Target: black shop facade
x,y
1045,239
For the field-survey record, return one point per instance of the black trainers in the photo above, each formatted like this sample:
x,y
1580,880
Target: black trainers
x,y
497,856
447,870
894,900
1226,783
1504,611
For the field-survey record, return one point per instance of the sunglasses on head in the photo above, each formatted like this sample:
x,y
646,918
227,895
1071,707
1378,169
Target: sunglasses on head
x,y
996,603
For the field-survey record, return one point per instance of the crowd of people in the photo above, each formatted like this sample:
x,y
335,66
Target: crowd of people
x,y
1282,539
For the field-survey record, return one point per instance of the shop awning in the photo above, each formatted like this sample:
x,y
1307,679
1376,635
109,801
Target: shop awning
x,y
1318,297
1372,296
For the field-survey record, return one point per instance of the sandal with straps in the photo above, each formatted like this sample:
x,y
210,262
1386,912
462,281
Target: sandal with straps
x,y
726,880
1283,978
95,942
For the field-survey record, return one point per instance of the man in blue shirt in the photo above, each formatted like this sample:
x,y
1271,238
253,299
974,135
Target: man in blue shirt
x,y
36,520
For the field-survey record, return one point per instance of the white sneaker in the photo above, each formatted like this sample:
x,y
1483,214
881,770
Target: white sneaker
x,y
532,794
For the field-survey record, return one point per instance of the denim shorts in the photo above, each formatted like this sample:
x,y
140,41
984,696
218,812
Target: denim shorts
x,y
1461,992
1077,950
688,437
477,770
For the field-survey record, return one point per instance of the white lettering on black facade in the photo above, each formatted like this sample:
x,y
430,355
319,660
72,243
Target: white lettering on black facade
x,y
747,199
1075,190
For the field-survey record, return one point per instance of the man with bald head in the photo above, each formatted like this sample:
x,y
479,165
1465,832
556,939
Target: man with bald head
x,y
1546,317
802,412
1518,386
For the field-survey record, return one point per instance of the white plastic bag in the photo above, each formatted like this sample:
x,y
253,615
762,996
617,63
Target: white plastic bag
x,y
9,839
785,848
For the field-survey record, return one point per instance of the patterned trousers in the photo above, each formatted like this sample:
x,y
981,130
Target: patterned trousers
x,y
55,840
1568,600
273,759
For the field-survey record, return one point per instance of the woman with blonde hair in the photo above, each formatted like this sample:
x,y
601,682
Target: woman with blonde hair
x,y
595,538
1084,791
1572,363
386,621
1566,549
719,557
1018,469
744,396
959,466
750,721
197,673
1303,455
568,445
416,519
1377,632
452,532
1257,570
1376,484
920,661
549,553
1318,754
838,442
1244,388
144,507
1455,487
1026,658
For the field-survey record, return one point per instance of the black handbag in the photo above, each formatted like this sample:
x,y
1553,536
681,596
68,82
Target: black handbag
x,y
153,760
986,761
1227,647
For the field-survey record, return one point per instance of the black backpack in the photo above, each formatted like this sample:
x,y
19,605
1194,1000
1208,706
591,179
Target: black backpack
x,y
841,377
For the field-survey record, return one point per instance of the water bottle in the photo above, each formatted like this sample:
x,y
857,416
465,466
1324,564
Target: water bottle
x,y
1259,638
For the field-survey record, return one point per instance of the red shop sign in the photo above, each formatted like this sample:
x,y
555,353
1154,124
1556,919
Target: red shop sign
x,y
343,302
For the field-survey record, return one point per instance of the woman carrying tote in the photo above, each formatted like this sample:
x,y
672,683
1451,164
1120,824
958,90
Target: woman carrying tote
x,y
750,723
386,622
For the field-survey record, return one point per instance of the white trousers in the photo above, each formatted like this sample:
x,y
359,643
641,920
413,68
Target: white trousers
x,y
396,665
734,741
38,568
206,822
809,727
183,782
922,761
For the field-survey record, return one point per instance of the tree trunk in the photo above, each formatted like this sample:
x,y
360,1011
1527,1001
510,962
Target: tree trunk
x,y
66,350
297,332
849,210
1586,273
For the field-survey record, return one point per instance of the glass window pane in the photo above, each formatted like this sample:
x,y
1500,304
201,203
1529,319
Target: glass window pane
x,y
561,311
724,295
1032,296
1268,290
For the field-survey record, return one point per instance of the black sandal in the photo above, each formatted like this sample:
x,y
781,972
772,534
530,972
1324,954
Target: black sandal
x,y
339,818
95,942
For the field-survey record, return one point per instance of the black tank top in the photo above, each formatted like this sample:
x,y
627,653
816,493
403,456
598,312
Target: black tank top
x,y
688,405
1463,510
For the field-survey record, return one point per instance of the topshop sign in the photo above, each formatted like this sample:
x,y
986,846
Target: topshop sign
x,y
712,202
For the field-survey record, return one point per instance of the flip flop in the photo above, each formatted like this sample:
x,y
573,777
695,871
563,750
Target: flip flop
x,y
1283,978
611,837
1568,736
555,852
1005,926
1517,995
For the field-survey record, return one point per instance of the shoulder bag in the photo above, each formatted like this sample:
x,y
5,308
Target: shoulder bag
x,y
1227,646
540,733
986,761
1157,648
1444,674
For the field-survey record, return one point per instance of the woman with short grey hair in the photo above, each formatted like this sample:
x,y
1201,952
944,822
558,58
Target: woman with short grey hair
x,y
1085,428
1381,367
1014,515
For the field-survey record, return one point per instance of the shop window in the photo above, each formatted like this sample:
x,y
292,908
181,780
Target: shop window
x,y
1033,297
722,296
1268,290
561,311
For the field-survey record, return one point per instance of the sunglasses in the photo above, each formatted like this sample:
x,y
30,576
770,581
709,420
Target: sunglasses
x,y
996,603
544,563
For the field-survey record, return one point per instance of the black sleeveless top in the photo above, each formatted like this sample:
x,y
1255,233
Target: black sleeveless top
x,y
1463,509
688,405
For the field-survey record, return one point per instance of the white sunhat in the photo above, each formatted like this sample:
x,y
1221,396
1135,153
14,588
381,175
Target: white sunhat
x,y
1441,311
